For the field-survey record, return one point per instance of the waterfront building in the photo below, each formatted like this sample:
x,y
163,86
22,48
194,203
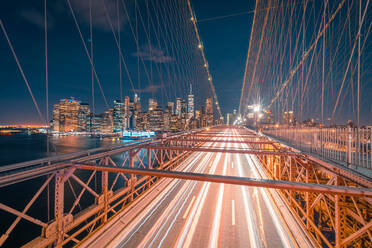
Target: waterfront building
x,y
142,121
119,116
108,122
95,123
152,104
209,111
170,105
156,121
66,115
167,118
83,117
288,118
178,106
190,104
128,106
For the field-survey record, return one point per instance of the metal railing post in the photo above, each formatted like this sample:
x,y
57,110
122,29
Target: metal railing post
x,y
131,180
348,147
59,194
105,192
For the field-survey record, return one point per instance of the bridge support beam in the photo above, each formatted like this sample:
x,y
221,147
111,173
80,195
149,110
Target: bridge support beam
x,y
59,194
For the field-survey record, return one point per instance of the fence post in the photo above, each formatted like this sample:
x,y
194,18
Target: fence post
x,y
348,147
59,193
105,192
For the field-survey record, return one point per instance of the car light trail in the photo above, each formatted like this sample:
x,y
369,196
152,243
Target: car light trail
x,y
164,218
154,206
218,212
190,226
253,234
278,225
189,191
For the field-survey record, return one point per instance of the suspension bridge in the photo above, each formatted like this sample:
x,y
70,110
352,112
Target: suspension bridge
x,y
286,171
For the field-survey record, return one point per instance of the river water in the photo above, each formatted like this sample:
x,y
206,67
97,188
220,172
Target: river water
x,y
23,147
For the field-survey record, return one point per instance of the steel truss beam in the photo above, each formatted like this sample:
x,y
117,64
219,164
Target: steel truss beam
x,y
229,141
224,150
245,181
331,220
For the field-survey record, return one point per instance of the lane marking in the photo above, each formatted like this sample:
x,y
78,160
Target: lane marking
x,y
232,164
188,208
233,212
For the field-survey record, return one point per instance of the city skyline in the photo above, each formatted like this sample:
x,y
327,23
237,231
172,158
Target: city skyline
x,y
73,115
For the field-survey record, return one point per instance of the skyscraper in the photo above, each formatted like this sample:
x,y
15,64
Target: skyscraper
x,y
178,106
65,115
118,116
171,107
190,105
209,111
152,104
127,113
83,117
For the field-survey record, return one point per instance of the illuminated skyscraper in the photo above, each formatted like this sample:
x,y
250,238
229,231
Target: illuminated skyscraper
x,y
83,117
152,104
127,112
190,104
118,116
65,115
209,111
171,107
178,106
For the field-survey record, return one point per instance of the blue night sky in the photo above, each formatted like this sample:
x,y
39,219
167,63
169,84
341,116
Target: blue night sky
x,y
225,41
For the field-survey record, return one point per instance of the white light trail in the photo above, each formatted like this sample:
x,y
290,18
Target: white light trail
x,y
218,212
189,228
233,212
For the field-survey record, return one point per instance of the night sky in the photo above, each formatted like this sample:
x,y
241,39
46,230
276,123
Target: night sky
x,y
225,41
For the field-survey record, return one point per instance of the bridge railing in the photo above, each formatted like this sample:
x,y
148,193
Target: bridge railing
x,y
348,146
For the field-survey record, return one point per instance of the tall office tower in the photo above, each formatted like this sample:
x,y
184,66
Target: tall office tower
x,y
288,118
171,107
167,118
65,115
136,98
178,106
108,122
156,119
83,117
127,113
118,116
135,110
152,104
209,111
183,108
190,105
95,122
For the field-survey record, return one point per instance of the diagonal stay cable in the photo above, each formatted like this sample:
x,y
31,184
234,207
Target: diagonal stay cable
x,y
305,56
21,70
87,52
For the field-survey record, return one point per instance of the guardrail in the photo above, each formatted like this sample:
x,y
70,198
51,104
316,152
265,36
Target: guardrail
x,y
347,146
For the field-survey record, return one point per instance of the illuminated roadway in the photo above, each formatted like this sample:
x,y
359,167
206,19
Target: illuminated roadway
x,y
178,213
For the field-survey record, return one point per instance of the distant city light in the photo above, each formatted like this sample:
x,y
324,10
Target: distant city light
x,y
257,108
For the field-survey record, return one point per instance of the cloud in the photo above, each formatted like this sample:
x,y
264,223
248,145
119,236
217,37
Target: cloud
x,y
101,11
151,53
149,89
37,18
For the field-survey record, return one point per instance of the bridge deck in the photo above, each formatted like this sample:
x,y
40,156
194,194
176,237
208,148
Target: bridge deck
x,y
200,214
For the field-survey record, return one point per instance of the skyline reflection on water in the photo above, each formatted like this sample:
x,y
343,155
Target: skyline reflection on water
x,y
22,147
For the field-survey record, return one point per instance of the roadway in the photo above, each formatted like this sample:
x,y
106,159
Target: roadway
x,y
178,213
